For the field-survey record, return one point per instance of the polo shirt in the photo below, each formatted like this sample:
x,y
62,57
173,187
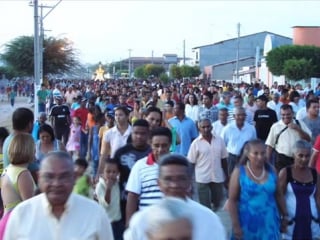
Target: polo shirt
x,y
143,181
207,159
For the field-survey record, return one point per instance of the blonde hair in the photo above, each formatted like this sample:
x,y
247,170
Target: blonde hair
x,y
21,149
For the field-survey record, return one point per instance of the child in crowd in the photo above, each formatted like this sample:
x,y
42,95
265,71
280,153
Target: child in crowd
x,y
83,184
94,142
108,195
73,144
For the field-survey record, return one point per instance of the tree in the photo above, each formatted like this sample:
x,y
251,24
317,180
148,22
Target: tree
x,y
164,78
175,72
139,72
184,71
59,56
153,70
308,56
297,69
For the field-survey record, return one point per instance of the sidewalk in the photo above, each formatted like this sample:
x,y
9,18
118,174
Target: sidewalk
x,y
6,110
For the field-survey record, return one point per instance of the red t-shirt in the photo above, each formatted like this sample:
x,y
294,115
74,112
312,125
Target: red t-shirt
x,y
316,147
82,113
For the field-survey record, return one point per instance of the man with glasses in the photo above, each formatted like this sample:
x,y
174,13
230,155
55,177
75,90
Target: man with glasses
x,y
283,135
57,213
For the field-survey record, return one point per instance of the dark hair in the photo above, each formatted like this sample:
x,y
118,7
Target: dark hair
x,y
123,109
286,107
293,95
181,106
113,161
246,149
141,123
152,109
224,109
175,159
194,97
309,102
4,133
208,94
170,102
46,128
81,162
161,131
21,117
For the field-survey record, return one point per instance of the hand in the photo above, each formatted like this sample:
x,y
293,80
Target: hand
x,y
237,231
293,126
109,183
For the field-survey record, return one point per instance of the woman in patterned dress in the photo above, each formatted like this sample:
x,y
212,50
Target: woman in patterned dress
x,y
254,197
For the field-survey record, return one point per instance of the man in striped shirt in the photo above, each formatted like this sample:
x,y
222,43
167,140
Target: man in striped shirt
x,y
142,186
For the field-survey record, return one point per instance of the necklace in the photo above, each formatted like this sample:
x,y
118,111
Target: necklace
x,y
259,178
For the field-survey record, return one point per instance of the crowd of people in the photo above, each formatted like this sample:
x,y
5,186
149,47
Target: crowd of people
x,y
158,158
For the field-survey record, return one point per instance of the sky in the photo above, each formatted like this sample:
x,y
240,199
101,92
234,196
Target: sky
x,y
105,30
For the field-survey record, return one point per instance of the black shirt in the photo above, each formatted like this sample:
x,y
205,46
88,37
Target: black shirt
x,y
60,114
264,118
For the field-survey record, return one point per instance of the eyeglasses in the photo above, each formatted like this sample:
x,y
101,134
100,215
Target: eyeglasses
x,y
61,178
180,180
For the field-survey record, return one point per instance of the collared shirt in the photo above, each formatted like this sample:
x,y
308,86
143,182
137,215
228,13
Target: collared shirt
x,y
287,138
209,113
206,223
82,219
112,208
217,127
116,139
187,131
143,181
207,159
235,138
275,106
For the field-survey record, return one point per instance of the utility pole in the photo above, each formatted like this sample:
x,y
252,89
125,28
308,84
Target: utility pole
x,y
184,52
152,57
237,57
36,44
38,48
129,66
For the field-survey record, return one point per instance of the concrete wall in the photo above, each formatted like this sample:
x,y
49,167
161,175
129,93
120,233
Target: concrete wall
x,y
306,36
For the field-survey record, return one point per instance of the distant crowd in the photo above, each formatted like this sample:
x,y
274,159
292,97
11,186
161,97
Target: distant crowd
x,y
138,147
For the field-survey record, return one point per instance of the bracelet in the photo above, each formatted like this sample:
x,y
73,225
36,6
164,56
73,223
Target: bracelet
x,y
285,217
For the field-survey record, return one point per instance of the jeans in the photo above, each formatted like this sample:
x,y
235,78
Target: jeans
x,y
83,144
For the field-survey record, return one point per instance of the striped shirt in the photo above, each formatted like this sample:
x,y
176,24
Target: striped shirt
x,y
143,181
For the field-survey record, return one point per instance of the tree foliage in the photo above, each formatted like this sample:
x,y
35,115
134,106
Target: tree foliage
x,y
59,56
184,71
295,62
149,70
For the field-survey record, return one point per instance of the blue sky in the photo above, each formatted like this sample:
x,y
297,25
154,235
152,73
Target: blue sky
x,y
104,30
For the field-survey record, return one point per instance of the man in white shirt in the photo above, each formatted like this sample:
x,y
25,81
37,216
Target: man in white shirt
x,y
175,181
57,213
